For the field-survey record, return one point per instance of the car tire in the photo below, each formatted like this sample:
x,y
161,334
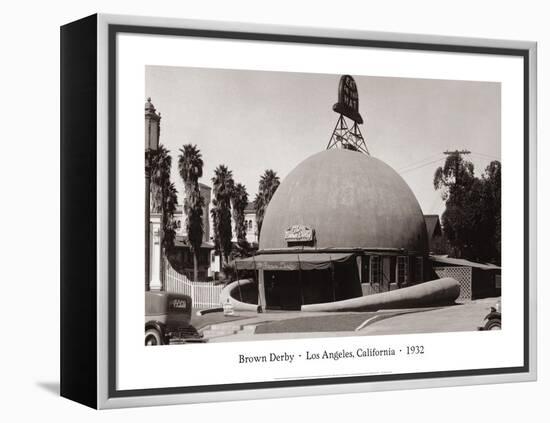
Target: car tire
x,y
153,337
493,324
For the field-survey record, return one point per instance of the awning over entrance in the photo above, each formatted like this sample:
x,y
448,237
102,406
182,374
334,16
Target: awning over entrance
x,y
291,261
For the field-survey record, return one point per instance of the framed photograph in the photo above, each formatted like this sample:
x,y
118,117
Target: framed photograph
x,y
307,211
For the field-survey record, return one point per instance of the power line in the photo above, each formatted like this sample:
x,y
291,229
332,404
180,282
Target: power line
x,y
485,155
418,162
410,169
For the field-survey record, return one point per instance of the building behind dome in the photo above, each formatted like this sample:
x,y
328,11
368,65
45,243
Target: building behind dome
x,y
341,225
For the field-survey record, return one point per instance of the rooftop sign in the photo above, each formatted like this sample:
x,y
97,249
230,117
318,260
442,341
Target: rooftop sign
x,y
348,99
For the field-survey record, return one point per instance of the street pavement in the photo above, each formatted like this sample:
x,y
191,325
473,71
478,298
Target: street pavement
x,y
295,324
465,317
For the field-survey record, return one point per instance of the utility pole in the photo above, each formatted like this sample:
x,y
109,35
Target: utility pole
x,y
457,153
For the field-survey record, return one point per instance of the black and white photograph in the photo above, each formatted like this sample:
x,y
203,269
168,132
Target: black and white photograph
x,y
284,205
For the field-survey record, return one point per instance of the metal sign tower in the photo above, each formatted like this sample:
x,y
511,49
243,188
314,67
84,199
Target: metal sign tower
x,y
344,135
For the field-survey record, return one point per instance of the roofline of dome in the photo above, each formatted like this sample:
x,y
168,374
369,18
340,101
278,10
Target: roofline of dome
x,y
297,250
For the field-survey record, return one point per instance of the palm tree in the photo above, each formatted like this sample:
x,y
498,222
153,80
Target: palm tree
x,y
215,225
269,182
194,206
190,168
161,164
239,201
164,198
170,203
223,186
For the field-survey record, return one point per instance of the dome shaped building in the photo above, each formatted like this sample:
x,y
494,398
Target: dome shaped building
x,y
351,201
341,225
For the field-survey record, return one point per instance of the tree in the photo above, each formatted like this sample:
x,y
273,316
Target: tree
x,y
215,226
454,179
161,164
239,201
190,166
164,198
269,182
170,198
492,196
472,208
455,176
194,206
223,186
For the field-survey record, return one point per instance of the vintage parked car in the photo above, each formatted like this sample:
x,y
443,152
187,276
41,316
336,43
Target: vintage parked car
x,y
167,319
493,320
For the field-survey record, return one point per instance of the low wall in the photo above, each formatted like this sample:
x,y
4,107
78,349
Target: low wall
x,y
233,290
433,293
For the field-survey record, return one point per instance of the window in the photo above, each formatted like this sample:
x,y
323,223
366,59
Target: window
x,y
419,269
402,269
375,269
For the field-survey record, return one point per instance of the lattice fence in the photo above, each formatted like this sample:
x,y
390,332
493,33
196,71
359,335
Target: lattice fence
x,y
369,289
376,288
462,274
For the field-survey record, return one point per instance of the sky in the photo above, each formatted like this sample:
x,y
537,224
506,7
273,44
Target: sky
x,y
257,120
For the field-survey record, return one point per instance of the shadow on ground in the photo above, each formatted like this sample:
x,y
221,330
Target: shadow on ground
x,y
51,387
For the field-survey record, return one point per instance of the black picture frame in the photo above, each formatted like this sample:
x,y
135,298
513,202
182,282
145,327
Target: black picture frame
x,y
82,44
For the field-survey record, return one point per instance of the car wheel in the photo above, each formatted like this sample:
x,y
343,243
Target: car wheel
x,y
153,337
493,324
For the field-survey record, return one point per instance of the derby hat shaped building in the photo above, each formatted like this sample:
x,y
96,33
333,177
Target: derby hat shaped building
x,y
342,224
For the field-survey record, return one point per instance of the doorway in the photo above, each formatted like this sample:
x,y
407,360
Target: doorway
x,y
282,290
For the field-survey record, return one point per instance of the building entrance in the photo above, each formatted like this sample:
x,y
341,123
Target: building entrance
x,y
289,290
282,291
